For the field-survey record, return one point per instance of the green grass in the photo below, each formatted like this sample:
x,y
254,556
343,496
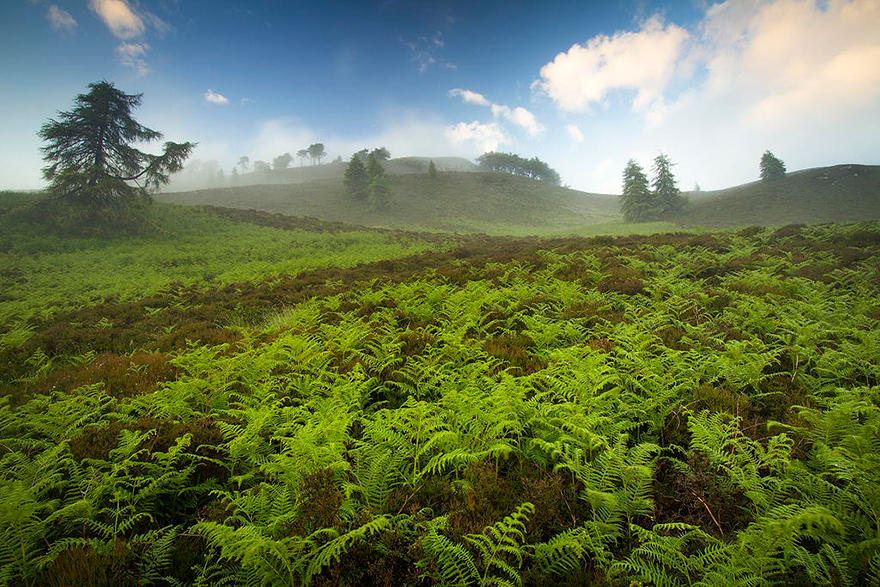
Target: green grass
x,y
455,202
842,193
671,409
42,274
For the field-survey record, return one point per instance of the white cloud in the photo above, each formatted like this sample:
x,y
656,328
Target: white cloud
x,y
487,137
518,116
132,55
575,133
470,97
245,101
643,61
215,97
119,17
60,19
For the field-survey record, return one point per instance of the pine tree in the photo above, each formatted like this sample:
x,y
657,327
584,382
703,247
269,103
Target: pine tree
x,y
380,185
772,168
637,203
356,179
666,193
90,156
432,170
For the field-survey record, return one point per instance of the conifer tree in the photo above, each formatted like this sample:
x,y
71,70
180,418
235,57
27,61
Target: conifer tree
x,y
637,203
772,168
667,196
356,180
380,185
90,156
432,170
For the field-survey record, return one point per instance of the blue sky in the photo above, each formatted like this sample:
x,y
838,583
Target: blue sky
x,y
583,85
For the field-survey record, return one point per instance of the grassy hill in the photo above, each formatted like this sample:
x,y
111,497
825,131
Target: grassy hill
x,y
841,193
456,201
192,179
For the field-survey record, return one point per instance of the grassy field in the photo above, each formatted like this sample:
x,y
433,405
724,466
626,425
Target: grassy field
x,y
42,275
842,193
456,201
669,409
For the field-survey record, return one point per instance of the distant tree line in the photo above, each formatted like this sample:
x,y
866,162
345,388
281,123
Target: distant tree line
x,y
512,163
365,179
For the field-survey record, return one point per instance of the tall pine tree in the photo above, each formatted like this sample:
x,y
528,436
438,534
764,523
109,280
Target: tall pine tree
x,y
357,182
637,203
668,197
380,185
772,168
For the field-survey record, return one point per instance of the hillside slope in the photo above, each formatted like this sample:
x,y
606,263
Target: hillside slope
x,y
193,179
454,201
841,193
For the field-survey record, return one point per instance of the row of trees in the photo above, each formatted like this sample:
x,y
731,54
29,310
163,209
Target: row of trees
x,y
641,201
512,163
366,180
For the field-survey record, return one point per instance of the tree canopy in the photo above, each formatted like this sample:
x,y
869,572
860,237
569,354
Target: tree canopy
x,y
316,152
668,197
512,163
772,168
90,155
282,161
636,202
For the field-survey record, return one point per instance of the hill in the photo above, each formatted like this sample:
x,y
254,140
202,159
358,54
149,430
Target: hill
x,y
841,193
194,178
454,201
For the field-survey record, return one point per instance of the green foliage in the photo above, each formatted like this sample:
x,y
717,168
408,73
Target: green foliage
x,y
636,201
357,182
432,170
667,196
772,168
668,410
511,163
91,160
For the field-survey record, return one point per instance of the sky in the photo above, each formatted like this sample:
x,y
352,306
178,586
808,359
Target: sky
x,y
585,86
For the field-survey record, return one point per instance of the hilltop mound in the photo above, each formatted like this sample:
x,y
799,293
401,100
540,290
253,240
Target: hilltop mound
x,y
454,201
841,193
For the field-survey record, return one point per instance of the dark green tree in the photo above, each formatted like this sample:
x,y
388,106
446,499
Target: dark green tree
x,y
316,152
380,185
512,163
772,168
282,161
356,180
381,154
90,155
667,196
432,170
637,203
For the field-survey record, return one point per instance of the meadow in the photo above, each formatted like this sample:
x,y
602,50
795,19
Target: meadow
x,y
368,408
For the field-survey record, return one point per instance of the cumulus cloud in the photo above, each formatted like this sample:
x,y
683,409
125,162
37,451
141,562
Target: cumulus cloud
x,y
215,97
518,115
575,133
487,137
59,19
119,17
643,61
132,55
469,96
796,76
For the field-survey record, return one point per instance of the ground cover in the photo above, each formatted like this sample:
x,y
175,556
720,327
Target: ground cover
x,y
42,275
667,409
